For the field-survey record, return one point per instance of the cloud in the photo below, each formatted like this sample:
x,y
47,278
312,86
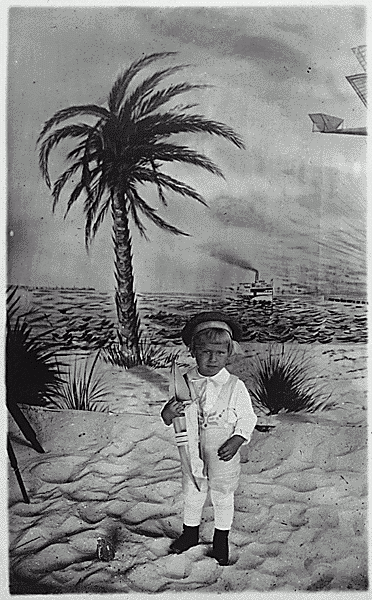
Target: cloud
x,y
237,31
306,219
281,52
239,212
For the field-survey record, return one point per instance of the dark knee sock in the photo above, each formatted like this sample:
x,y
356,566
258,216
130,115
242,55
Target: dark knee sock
x,y
188,538
220,549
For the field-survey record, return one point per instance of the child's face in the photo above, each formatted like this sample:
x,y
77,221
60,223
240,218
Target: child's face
x,y
211,357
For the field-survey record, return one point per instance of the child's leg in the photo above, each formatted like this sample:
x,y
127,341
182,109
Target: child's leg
x,y
194,501
223,505
223,516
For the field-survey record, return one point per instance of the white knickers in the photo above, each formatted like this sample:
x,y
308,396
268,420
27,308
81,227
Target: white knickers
x,y
223,504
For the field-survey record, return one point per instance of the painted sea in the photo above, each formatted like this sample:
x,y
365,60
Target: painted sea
x,y
84,319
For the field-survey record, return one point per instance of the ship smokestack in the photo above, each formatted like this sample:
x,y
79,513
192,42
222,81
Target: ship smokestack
x,y
256,276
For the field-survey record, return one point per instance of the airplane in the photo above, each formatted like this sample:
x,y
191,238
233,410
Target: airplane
x,y
328,124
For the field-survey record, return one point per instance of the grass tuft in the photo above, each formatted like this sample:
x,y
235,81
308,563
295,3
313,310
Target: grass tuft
x,y
83,389
283,383
32,372
150,356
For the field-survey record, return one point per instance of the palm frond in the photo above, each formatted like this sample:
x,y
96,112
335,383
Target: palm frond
x,y
139,104
74,197
144,175
90,150
121,84
163,125
101,215
72,112
93,152
53,140
62,180
141,92
152,215
86,174
84,154
90,147
91,207
161,97
180,188
137,221
80,187
162,198
137,155
74,153
174,153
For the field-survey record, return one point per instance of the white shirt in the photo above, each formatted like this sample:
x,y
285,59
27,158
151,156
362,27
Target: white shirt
x,y
208,389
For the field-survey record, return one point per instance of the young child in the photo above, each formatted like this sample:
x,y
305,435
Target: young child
x,y
219,419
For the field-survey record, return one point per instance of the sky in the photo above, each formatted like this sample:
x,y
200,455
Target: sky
x,y
292,205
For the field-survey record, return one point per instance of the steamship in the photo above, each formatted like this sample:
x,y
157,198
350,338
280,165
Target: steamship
x,y
258,291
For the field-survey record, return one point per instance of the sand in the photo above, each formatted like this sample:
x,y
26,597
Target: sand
x,y
300,509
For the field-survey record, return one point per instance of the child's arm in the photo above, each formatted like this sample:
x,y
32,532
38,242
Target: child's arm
x,y
172,409
244,426
246,418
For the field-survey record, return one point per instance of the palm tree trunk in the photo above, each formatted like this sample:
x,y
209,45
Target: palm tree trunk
x,y
125,297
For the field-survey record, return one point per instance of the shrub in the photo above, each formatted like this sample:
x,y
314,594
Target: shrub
x,y
283,383
32,373
150,356
83,389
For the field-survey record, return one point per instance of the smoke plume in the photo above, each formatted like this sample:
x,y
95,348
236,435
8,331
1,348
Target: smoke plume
x,y
229,258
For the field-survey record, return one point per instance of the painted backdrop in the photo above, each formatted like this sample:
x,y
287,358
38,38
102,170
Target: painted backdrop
x,y
292,206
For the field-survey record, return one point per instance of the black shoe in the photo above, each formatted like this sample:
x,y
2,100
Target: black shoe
x,y
220,549
188,539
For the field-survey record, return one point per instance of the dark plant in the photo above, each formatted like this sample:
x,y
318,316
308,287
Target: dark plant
x,y
83,389
149,355
283,383
124,150
32,372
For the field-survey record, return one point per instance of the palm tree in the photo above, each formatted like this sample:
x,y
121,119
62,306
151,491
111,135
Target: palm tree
x,y
125,147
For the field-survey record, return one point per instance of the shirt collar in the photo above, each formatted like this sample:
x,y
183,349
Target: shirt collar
x,y
221,377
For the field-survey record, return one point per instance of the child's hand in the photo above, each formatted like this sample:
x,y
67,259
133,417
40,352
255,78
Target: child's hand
x,y
172,409
230,447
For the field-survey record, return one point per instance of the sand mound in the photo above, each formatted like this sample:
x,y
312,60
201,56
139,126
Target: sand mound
x,y
300,520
